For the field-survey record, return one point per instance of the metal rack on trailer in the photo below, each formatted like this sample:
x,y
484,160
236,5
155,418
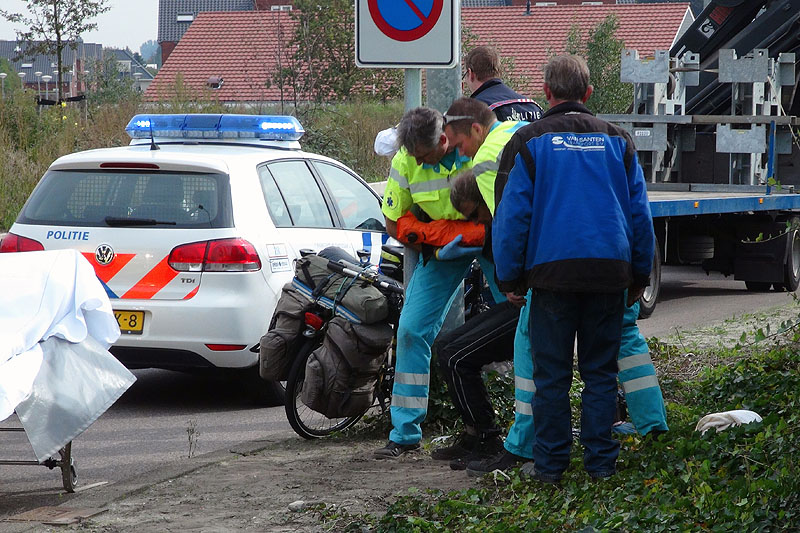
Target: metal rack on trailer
x,y
714,123
69,476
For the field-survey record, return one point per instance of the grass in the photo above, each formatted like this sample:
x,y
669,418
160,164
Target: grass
x,y
742,479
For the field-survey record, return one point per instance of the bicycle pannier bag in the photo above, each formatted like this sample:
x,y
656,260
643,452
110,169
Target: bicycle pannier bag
x,y
341,374
361,298
277,346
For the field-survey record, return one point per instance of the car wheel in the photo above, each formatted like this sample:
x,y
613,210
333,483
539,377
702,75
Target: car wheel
x,y
259,391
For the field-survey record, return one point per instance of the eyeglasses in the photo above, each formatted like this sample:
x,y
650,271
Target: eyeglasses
x,y
464,75
452,118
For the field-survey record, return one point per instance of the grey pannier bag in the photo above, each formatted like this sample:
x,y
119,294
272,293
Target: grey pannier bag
x,y
361,298
276,348
341,374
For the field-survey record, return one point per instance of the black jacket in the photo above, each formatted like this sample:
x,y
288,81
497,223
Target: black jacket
x,y
506,103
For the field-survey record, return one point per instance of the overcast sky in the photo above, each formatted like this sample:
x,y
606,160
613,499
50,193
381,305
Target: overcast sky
x,y
128,23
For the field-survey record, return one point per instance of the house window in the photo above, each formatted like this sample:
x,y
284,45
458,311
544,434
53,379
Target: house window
x,y
545,4
280,8
185,17
27,65
591,3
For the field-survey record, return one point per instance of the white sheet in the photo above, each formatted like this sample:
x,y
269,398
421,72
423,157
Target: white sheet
x,y
45,294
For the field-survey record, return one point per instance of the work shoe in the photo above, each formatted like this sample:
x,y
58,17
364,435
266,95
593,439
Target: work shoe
x,y
392,450
623,428
504,460
529,470
489,447
464,445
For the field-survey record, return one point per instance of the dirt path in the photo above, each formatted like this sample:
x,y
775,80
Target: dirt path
x,y
253,492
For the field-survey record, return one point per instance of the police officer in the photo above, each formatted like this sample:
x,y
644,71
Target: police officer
x,y
420,177
482,76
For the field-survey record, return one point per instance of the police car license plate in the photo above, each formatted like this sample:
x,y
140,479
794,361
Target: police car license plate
x,y
130,322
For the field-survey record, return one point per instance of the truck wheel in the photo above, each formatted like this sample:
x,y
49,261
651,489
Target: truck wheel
x,y
791,269
647,303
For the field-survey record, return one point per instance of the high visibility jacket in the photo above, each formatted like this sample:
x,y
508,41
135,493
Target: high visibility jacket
x,y
424,185
487,158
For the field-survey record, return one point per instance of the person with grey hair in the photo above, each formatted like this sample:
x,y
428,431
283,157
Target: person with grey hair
x,y
420,178
574,227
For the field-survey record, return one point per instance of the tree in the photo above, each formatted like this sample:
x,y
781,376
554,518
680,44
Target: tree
x,y
322,65
149,50
53,25
602,51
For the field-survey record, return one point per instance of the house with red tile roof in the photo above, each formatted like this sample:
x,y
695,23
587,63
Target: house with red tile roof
x,y
233,56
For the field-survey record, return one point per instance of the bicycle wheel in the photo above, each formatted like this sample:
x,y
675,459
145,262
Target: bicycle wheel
x,y
306,422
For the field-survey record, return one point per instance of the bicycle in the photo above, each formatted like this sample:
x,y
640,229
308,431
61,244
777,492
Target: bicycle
x,y
305,421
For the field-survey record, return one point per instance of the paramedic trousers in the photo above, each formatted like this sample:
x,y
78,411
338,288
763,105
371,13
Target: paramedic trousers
x,y
462,353
556,319
428,297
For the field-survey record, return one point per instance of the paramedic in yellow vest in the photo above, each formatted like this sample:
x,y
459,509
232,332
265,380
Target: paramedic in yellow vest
x,y
474,130
421,174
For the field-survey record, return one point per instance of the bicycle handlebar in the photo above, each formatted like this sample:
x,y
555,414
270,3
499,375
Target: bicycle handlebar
x,y
345,271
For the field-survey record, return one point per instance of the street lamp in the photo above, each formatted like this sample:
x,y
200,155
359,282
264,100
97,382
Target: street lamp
x,y
3,82
38,75
47,79
22,79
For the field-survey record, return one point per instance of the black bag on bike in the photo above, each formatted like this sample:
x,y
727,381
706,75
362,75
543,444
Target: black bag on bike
x,y
341,374
361,298
277,347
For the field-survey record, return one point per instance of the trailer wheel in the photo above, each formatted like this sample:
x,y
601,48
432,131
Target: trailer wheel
x,y
791,269
647,303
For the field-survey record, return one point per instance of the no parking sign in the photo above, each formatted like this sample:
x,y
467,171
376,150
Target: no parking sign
x,y
408,33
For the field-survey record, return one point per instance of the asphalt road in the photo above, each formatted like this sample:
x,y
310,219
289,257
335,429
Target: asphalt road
x,y
151,423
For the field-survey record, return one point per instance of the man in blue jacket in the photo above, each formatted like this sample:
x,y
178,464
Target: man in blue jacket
x,y
574,226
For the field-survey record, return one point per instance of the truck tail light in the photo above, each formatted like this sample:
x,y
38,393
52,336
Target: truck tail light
x,y
223,255
16,243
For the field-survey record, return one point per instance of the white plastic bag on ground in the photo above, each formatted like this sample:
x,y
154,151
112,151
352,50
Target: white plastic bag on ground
x,y
726,419
76,383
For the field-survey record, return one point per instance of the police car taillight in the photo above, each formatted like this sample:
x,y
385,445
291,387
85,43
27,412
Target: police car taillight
x,y
223,255
16,243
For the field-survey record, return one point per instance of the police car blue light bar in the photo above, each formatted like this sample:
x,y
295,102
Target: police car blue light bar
x,y
200,126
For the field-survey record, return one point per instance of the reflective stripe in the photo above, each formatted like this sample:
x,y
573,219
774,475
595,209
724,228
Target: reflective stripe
x,y
626,363
399,178
486,166
524,384
429,186
407,378
638,384
522,408
410,402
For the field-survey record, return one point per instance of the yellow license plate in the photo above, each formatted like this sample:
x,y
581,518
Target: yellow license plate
x,y
130,322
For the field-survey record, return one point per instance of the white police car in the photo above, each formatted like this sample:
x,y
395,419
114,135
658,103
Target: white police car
x,y
193,229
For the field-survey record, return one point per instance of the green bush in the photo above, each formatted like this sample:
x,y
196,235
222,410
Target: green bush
x,y
742,479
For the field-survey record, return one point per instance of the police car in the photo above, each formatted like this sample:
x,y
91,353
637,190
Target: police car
x,y
193,229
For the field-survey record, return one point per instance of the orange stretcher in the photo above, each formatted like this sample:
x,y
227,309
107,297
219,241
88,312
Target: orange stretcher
x,y
438,233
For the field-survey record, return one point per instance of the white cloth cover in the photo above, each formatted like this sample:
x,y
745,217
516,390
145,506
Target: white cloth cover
x,y
386,142
45,294
726,419
76,383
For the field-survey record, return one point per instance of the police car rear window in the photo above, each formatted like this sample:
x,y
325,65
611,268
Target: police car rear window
x,y
130,198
